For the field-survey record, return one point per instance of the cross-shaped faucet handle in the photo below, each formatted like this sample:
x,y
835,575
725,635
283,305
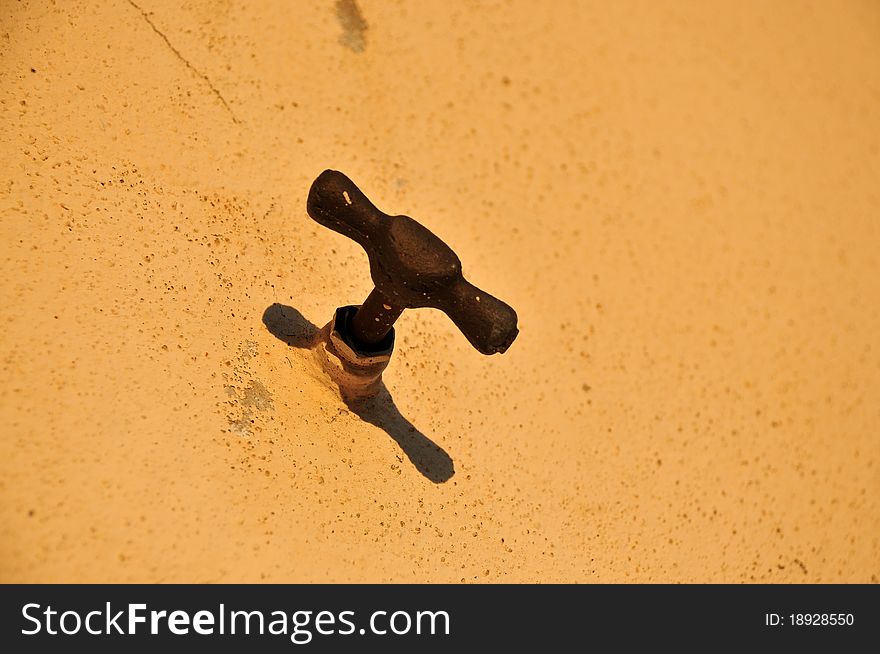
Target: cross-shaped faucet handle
x,y
410,267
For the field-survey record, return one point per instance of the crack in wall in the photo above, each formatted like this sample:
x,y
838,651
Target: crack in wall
x,y
186,62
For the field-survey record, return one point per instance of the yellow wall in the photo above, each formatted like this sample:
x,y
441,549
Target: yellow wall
x,y
679,198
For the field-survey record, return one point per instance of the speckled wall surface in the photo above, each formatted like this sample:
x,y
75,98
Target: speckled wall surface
x,y
679,198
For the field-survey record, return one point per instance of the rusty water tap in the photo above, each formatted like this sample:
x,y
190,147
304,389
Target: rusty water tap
x,y
411,268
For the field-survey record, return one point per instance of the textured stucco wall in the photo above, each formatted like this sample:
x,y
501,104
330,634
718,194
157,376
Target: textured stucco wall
x,y
679,198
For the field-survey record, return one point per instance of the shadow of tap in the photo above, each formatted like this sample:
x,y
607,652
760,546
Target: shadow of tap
x,y
289,325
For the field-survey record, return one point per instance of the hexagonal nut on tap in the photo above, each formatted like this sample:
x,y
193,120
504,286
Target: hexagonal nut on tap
x,y
357,373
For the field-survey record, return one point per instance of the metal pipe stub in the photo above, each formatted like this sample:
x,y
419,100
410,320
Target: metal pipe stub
x,y
373,320
355,368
